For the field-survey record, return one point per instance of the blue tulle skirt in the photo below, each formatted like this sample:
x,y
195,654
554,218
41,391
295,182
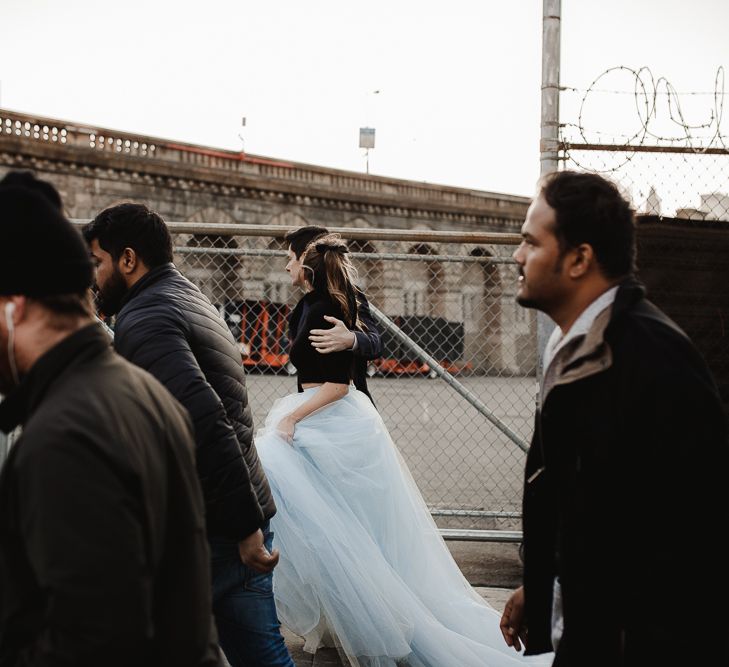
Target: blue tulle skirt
x,y
363,567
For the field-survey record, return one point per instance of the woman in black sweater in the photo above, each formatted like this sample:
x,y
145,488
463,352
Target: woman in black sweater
x,y
363,566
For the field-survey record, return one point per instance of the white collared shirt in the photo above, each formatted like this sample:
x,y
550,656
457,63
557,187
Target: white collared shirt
x,y
580,328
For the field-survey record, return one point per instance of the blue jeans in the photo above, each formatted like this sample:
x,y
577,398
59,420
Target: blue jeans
x,y
245,612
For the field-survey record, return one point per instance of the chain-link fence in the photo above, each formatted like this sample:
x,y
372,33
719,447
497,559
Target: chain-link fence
x,y
670,183
462,421
668,150
456,380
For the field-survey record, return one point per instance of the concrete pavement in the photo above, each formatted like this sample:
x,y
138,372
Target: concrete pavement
x,y
328,657
494,569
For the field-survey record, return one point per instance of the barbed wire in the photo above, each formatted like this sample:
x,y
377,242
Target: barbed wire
x,y
572,89
647,91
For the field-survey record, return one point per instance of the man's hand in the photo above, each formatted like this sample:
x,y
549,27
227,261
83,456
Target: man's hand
x,y
512,620
253,553
336,339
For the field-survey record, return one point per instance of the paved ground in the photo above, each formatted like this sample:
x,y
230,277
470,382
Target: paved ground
x,y
457,457
494,569
328,657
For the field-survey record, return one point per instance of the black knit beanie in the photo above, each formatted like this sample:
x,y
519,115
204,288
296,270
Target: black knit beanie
x,y
41,254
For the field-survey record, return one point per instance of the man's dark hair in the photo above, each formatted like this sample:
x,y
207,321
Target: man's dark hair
x,y
590,209
132,226
27,179
299,238
66,307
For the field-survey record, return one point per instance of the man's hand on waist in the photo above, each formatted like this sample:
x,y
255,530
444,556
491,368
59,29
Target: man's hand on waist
x,y
336,339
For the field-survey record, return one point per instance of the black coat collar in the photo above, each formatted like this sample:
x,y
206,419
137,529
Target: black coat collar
x,y
81,345
630,291
148,279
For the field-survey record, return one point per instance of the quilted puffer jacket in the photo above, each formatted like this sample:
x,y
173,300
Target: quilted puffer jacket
x,y
169,328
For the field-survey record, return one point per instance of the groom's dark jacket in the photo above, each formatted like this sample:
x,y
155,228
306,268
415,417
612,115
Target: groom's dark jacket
x,y
169,328
626,498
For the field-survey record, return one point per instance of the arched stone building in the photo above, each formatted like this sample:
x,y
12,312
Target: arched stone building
x,y
94,168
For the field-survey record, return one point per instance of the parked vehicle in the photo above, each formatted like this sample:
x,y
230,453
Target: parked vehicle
x,y
261,328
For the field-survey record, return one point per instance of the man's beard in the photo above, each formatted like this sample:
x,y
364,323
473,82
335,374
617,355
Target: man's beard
x,y
537,303
526,302
109,297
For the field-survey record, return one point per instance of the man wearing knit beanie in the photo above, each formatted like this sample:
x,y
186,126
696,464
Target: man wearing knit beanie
x,y
103,557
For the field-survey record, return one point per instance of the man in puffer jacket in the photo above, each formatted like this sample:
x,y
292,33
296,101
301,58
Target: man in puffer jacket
x,y
168,327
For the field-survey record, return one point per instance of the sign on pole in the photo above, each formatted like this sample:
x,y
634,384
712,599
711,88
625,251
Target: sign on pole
x,y
367,137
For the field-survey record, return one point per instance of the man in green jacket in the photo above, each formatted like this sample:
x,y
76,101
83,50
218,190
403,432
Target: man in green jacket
x,y
103,556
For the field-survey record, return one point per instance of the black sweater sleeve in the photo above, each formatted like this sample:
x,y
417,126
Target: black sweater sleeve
x,y
369,343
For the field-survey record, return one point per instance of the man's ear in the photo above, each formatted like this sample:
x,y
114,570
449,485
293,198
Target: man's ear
x,y
581,261
15,308
128,261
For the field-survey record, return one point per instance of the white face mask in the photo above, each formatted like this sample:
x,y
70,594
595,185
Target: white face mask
x,y
9,310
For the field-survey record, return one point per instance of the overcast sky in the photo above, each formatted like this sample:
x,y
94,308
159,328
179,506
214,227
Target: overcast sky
x,y
459,80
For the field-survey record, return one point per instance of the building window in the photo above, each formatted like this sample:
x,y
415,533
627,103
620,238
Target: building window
x,y
469,306
414,301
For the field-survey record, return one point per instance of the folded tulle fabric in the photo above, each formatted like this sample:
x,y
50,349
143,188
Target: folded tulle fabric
x,y
363,566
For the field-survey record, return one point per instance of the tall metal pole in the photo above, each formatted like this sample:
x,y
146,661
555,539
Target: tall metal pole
x,y
551,22
549,138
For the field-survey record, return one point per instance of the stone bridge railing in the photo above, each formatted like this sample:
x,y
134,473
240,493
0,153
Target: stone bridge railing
x,y
111,143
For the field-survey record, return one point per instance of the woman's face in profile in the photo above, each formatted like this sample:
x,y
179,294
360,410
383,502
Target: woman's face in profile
x,y
295,269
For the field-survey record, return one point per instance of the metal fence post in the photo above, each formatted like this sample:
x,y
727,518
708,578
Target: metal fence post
x,y
549,137
549,144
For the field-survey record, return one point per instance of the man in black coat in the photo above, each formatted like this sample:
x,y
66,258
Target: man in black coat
x,y
626,476
365,343
166,325
103,557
